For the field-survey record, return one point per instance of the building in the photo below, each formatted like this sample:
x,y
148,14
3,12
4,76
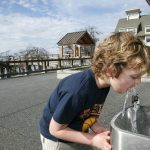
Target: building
x,y
136,23
76,44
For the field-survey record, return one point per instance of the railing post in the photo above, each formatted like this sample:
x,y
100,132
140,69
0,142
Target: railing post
x,y
2,69
60,63
72,62
45,67
8,70
27,69
81,61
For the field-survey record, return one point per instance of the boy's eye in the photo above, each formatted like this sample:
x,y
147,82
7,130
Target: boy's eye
x,y
135,77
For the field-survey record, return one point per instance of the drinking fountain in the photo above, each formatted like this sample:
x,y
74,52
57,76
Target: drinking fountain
x,y
131,127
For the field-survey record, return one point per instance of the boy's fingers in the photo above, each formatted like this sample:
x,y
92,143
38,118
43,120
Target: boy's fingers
x,y
107,132
108,138
107,147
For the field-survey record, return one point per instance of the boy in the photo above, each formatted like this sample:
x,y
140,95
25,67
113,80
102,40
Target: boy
x,y
74,106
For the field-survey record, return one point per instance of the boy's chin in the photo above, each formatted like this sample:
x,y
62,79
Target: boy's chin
x,y
119,91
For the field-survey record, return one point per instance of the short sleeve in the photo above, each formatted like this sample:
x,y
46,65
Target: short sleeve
x,y
68,108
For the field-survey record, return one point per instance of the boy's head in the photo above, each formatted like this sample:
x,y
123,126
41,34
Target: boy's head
x,y
118,51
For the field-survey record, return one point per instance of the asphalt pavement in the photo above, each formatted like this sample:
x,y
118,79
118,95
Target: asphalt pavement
x,y
21,103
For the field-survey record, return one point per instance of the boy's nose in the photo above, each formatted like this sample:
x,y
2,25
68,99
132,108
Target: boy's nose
x,y
138,81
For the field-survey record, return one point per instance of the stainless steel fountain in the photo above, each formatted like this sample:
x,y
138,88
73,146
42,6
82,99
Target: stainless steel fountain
x,y
131,127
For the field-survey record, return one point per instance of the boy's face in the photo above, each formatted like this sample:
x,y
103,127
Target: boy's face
x,y
126,80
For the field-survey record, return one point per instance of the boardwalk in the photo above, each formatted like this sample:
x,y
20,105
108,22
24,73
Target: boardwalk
x,y
21,103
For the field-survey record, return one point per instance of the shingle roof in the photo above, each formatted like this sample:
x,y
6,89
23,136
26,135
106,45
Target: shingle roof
x,y
140,24
75,38
133,11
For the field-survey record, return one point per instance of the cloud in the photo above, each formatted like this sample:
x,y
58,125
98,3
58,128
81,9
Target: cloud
x,y
43,23
19,31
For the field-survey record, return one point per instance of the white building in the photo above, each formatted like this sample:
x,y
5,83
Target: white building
x,y
136,23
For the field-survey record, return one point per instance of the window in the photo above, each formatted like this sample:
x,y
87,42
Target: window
x,y
147,29
122,30
147,39
132,29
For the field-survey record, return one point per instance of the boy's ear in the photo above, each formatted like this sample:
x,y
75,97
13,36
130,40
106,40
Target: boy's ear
x,y
108,72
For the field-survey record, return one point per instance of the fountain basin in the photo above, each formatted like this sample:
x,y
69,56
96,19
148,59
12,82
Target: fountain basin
x,y
123,137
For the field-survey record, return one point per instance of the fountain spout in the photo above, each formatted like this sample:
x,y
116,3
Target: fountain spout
x,y
135,102
133,113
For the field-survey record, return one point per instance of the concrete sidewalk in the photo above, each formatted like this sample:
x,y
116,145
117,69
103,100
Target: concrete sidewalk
x,y
22,101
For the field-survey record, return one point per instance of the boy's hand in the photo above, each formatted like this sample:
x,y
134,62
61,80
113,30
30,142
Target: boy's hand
x,y
102,141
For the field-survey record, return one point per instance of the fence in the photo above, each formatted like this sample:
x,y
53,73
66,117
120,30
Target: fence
x,y
26,67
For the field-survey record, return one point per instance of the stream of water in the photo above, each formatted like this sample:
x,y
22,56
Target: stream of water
x,y
132,112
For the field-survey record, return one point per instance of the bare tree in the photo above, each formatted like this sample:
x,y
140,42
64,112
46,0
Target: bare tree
x,y
148,1
35,53
93,31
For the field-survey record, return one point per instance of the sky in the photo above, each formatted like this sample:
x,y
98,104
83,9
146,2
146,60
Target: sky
x,y
42,23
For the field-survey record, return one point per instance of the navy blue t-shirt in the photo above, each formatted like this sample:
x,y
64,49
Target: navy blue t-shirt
x,y
76,101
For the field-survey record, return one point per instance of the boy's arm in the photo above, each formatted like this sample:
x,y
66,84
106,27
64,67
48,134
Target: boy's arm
x,y
65,133
97,128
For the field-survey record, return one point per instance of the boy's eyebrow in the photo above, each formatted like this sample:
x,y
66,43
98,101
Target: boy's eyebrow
x,y
139,74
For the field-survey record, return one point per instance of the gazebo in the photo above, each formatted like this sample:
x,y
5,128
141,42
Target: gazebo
x,y
76,44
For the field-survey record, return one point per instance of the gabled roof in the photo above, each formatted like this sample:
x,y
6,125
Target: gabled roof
x,y
133,11
82,37
140,24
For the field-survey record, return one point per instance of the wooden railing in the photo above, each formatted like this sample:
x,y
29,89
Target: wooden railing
x,y
26,67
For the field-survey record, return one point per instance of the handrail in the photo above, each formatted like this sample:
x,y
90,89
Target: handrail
x,y
12,68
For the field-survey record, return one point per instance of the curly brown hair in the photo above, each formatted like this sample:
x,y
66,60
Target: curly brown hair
x,y
118,51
